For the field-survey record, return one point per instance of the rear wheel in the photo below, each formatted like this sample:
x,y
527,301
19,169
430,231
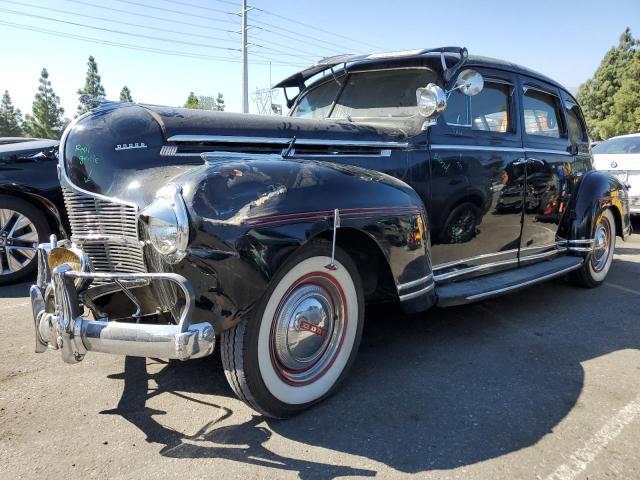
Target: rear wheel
x,y
598,262
22,227
302,337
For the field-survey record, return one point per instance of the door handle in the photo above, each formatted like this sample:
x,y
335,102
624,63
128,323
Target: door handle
x,y
520,161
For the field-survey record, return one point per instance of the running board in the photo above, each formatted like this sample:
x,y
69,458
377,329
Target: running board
x,y
487,286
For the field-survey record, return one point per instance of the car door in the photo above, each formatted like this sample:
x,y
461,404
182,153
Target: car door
x,y
549,168
477,177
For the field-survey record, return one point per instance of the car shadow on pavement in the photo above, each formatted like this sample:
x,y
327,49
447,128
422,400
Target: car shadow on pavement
x,y
17,290
433,391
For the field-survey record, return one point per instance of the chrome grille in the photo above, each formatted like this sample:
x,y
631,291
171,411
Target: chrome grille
x,y
107,231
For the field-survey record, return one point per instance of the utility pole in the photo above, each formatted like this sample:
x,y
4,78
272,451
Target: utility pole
x,y
245,67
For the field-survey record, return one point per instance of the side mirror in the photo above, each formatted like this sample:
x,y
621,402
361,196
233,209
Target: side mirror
x,y
469,82
431,99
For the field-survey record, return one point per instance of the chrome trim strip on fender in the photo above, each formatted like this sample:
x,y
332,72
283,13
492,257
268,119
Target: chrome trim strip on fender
x,y
284,141
498,291
404,286
498,149
409,296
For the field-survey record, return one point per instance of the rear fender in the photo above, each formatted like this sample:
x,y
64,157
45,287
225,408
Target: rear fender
x,y
595,192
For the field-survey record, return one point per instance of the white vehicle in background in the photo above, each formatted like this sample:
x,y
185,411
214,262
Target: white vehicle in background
x,y
620,156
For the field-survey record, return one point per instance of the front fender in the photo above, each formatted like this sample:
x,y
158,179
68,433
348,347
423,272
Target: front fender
x,y
595,192
249,215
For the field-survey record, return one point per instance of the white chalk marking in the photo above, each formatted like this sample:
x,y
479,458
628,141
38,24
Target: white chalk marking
x,y
624,289
581,458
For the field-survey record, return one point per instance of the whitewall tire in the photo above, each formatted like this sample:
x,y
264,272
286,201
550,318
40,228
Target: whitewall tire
x,y
302,337
598,262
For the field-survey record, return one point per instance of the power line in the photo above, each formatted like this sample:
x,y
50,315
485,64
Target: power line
x,y
119,22
84,25
298,22
129,12
119,32
178,12
277,15
299,52
135,47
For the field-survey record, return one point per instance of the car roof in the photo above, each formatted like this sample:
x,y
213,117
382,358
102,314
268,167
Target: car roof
x,y
624,136
31,144
409,56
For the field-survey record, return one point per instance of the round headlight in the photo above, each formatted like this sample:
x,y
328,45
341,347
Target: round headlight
x,y
431,99
163,227
167,223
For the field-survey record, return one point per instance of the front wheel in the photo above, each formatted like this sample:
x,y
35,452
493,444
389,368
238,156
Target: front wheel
x,y
302,337
598,262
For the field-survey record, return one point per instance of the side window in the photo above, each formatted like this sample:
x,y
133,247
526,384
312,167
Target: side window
x,y
541,114
490,108
486,111
577,132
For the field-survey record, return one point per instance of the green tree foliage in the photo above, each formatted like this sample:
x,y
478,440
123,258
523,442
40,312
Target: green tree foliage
x,y
219,102
611,99
205,102
192,101
45,120
10,118
125,94
92,86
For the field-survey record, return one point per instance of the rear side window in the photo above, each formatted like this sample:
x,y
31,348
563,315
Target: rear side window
x,y
486,111
577,131
541,114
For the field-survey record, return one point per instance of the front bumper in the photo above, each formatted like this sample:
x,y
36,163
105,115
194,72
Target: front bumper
x,y
59,324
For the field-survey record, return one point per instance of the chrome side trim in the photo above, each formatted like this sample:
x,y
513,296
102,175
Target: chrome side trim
x,y
498,291
469,259
285,141
589,241
497,149
411,295
210,157
536,256
475,268
404,286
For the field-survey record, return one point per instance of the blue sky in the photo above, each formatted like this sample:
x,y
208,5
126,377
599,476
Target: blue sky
x,y
563,39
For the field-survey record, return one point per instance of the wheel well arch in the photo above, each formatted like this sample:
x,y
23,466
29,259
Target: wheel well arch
x,y
617,216
372,264
49,209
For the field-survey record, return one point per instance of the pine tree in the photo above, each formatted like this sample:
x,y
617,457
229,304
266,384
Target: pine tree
x,y
92,87
10,118
192,101
219,102
45,120
610,97
125,94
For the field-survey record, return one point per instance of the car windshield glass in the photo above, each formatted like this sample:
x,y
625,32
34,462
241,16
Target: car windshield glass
x,y
373,94
619,145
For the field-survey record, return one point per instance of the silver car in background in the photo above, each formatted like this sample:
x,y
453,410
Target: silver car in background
x,y
620,156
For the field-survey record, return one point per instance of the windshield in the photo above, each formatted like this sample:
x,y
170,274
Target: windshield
x,y
619,145
368,94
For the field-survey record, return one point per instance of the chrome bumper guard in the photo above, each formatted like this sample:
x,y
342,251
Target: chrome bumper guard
x,y
66,330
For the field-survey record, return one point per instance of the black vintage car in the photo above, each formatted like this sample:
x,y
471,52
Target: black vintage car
x,y
273,234
31,205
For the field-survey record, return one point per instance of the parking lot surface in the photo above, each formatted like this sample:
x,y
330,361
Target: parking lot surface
x,y
539,384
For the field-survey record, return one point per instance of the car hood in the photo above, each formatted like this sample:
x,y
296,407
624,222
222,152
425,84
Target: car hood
x,y
617,161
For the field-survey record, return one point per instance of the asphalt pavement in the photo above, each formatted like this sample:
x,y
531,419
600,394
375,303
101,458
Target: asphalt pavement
x,y
540,384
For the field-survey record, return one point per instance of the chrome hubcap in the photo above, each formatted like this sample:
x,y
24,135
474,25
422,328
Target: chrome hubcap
x,y
602,245
18,241
308,328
